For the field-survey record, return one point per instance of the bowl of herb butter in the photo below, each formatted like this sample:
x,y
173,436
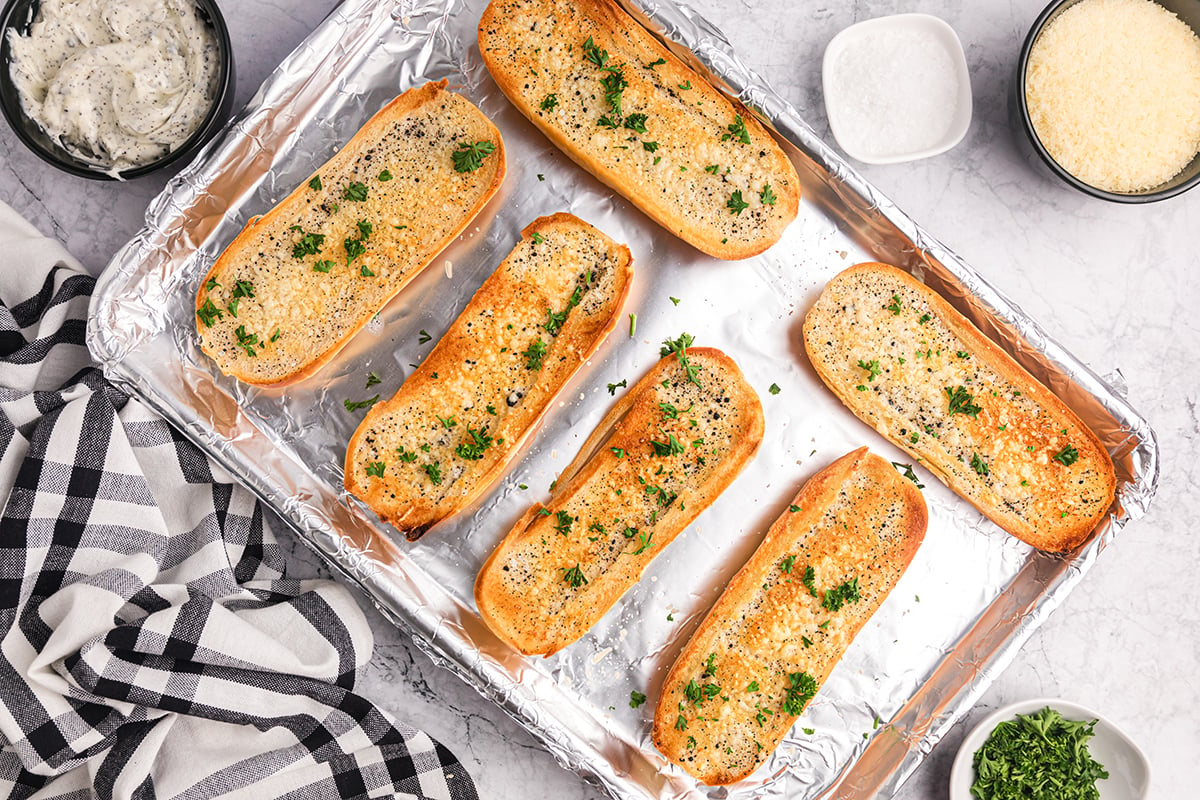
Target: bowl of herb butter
x,y
1046,749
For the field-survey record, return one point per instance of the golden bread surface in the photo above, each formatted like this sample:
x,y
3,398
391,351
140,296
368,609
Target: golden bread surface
x,y
786,618
659,458
615,100
911,366
298,282
455,423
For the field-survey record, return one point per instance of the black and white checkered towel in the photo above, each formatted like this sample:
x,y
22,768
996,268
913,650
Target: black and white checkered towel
x,y
152,646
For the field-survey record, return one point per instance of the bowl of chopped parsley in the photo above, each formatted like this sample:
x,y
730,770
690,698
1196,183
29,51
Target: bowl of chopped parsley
x,y
1046,749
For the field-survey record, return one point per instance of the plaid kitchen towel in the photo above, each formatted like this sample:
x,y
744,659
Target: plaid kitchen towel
x,y
152,645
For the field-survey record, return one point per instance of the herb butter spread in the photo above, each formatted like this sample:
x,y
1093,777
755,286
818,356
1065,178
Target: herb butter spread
x,y
119,83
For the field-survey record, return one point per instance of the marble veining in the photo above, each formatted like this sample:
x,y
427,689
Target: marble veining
x,y
1114,284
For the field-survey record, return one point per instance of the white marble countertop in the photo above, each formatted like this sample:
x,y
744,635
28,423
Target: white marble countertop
x,y
1115,284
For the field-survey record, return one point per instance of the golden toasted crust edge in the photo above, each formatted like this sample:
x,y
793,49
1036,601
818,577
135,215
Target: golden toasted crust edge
x,y
609,15
585,343
1062,538
595,455
789,528
404,103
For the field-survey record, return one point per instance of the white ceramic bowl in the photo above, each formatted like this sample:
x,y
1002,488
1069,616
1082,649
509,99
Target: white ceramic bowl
x,y
1128,769
855,115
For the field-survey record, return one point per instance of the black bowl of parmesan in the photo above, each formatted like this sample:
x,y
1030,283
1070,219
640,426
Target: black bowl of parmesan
x,y
114,89
1107,93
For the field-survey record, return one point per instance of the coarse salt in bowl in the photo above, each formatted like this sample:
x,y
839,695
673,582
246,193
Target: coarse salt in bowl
x,y
897,88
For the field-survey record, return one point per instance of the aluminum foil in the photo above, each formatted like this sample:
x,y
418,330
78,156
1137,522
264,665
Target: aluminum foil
x,y
958,616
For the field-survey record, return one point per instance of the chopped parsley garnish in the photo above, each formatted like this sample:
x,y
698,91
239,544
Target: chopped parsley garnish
x,y
357,405
473,448
309,244
710,665
534,354
354,248
650,147
549,102
385,176
838,596
872,367
619,452
423,336
491,409
614,84
774,388
233,306
594,54
209,313
562,523
794,508
644,543
802,688
447,422
907,473
210,284
434,471
978,464
612,387
574,576
355,192
373,379
636,698
679,347
469,156
752,686
632,325
685,85
962,354
680,723
656,63
766,196
315,183
323,266
894,306
605,121
924,318
365,271
376,468
537,237
962,402
1067,456
275,335
808,579
735,203
712,169
636,123
674,300
697,693
787,563
737,131
247,341
407,456
671,447
1039,755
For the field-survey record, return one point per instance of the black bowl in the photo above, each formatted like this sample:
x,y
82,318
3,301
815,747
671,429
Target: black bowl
x,y
1186,10
19,15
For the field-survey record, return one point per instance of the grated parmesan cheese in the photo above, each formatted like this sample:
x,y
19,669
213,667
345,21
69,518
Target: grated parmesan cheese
x,y
1113,89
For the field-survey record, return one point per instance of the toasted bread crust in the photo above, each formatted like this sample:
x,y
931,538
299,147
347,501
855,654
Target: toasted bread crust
x,y
682,166
480,376
621,502
858,519
308,302
964,408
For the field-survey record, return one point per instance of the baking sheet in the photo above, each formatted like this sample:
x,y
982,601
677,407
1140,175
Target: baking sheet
x,y
971,597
